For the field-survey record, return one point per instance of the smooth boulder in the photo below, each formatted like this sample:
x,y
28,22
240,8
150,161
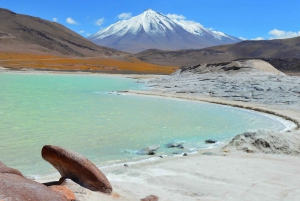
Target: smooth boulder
x,y
76,167
16,187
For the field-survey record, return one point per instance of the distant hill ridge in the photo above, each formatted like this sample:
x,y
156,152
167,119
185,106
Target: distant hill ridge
x,y
284,54
23,33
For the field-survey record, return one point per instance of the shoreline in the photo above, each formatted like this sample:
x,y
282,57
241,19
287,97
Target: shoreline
x,y
198,176
216,100
121,162
141,76
209,174
212,147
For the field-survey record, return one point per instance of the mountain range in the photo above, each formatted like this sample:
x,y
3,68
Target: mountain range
x,y
32,42
152,29
284,54
28,42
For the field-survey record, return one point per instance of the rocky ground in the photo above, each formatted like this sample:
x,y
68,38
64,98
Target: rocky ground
x,y
248,81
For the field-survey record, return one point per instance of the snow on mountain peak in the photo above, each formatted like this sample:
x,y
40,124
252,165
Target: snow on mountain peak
x,y
153,22
150,21
151,25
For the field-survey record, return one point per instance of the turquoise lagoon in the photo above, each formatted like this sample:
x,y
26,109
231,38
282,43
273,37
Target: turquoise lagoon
x,y
79,112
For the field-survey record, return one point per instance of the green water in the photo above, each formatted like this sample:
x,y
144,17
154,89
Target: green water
x,y
78,113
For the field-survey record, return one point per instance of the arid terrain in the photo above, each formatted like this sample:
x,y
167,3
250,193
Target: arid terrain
x,y
283,54
34,43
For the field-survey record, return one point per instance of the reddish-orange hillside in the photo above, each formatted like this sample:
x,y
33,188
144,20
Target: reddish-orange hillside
x,y
102,64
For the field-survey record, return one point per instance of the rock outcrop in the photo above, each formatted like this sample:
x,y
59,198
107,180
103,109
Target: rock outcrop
x,y
250,65
210,141
248,81
76,167
148,150
16,187
175,144
268,142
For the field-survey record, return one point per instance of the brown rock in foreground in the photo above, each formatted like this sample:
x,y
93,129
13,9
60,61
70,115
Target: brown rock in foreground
x,y
150,198
76,167
14,187
64,191
8,170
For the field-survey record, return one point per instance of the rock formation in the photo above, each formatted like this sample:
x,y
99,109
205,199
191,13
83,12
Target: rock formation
x,y
210,141
16,187
76,167
175,144
248,81
148,150
268,142
8,170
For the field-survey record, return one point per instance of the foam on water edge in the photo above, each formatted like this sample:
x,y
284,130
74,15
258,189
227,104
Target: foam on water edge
x,y
289,125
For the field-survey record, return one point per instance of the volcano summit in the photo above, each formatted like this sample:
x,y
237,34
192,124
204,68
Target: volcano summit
x,y
153,30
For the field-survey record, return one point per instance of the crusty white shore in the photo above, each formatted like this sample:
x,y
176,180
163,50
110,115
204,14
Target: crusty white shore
x,y
214,174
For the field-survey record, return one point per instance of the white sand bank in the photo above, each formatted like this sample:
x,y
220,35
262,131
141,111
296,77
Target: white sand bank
x,y
226,175
232,176
220,175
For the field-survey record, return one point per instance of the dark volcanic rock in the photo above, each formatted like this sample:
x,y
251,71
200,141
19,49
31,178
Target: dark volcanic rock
x,y
5,169
14,187
148,150
175,144
76,167
210,141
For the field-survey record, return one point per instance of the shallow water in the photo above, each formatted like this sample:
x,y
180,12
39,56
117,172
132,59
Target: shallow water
x,y
78,112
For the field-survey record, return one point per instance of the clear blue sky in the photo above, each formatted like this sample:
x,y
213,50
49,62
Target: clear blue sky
x,y
241,18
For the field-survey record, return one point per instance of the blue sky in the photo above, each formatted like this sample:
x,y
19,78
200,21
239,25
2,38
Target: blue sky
x,y
249,19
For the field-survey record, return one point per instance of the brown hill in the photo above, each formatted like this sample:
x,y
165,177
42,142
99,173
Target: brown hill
x,y
26,34
32,43
284,54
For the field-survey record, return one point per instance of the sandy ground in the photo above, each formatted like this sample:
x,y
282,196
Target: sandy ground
x,y
213,174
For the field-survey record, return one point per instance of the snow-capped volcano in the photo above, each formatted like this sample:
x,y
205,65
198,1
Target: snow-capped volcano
x,y
152,29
